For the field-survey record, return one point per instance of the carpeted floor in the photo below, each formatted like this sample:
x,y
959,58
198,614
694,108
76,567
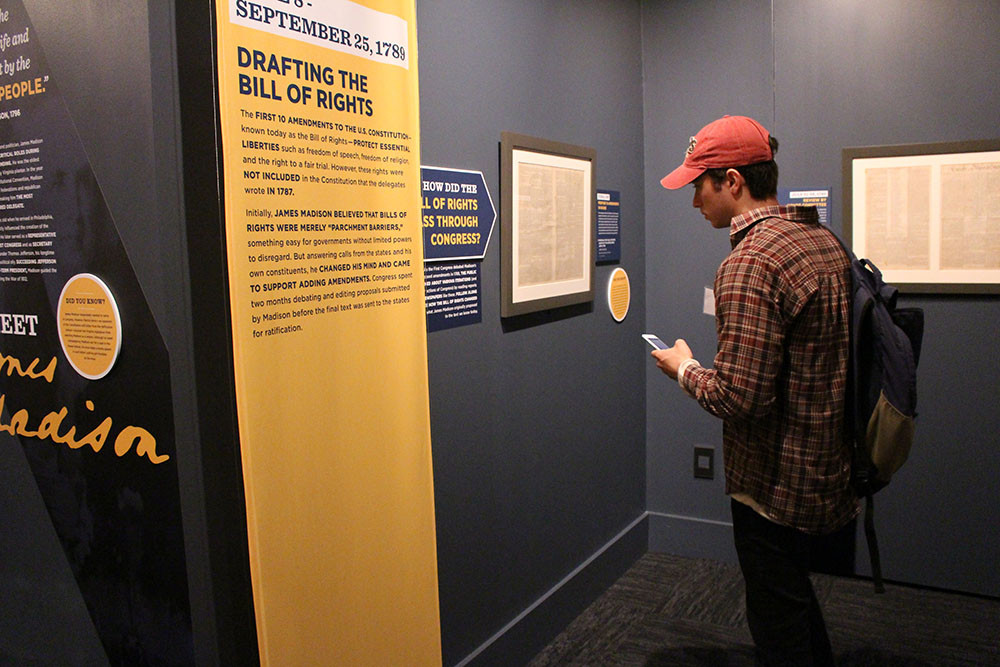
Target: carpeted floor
x,y
668,610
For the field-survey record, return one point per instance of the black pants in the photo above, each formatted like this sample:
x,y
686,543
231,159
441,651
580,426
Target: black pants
x,y
782,611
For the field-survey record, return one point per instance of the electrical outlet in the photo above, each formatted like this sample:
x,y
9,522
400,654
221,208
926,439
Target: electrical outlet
x,y
704,462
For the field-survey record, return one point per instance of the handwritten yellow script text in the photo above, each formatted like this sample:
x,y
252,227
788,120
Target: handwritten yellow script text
x,y
51,425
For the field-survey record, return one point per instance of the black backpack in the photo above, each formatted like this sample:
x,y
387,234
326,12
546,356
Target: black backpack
x,y
881,397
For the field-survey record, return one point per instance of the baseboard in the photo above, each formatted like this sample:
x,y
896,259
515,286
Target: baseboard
x,y
691,537
533,629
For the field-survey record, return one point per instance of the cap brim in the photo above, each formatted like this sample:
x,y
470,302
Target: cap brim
x,y
681,176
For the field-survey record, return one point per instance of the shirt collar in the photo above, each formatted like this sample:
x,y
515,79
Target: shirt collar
x,y
741,224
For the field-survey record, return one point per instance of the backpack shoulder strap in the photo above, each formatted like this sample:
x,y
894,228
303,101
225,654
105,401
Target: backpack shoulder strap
x,y
873,555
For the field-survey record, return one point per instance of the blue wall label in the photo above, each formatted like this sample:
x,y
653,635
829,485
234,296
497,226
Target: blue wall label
x,y
818,197
457,214
609,232
453,294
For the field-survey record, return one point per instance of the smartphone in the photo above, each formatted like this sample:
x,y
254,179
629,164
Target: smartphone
x,y
655,342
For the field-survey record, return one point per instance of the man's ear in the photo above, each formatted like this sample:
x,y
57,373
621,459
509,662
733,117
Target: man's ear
x,y
735,182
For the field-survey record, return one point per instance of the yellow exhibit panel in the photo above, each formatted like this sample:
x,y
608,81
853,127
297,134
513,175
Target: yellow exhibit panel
x,y
320,132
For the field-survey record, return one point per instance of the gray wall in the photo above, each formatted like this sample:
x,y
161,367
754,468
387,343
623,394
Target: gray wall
x,y
831,75
537,422
701,60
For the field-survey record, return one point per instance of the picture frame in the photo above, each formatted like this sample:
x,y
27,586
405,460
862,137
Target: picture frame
x,y
548,235
926,214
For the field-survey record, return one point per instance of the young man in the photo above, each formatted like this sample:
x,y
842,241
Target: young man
x,y
777,380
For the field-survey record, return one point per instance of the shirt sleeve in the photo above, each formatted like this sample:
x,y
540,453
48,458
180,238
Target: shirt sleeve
x,y
681,370
750,325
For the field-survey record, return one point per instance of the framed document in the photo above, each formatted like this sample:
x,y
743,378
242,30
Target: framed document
x,y
547,224
928,215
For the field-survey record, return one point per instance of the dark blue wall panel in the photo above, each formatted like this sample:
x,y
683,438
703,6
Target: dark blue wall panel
x,y
701,60
538,423
858,74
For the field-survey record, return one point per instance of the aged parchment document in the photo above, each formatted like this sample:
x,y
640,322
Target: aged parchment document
x,y
550,224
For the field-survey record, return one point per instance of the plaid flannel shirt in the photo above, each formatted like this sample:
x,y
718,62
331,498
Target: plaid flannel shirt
x,y
778,379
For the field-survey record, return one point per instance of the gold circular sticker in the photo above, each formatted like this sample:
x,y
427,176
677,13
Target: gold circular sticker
x,y
90,327
619,294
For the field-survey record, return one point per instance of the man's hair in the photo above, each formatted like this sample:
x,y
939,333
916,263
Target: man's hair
x,y
761,178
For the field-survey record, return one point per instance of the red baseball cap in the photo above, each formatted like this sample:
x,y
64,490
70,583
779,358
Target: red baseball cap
x,y
731,141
